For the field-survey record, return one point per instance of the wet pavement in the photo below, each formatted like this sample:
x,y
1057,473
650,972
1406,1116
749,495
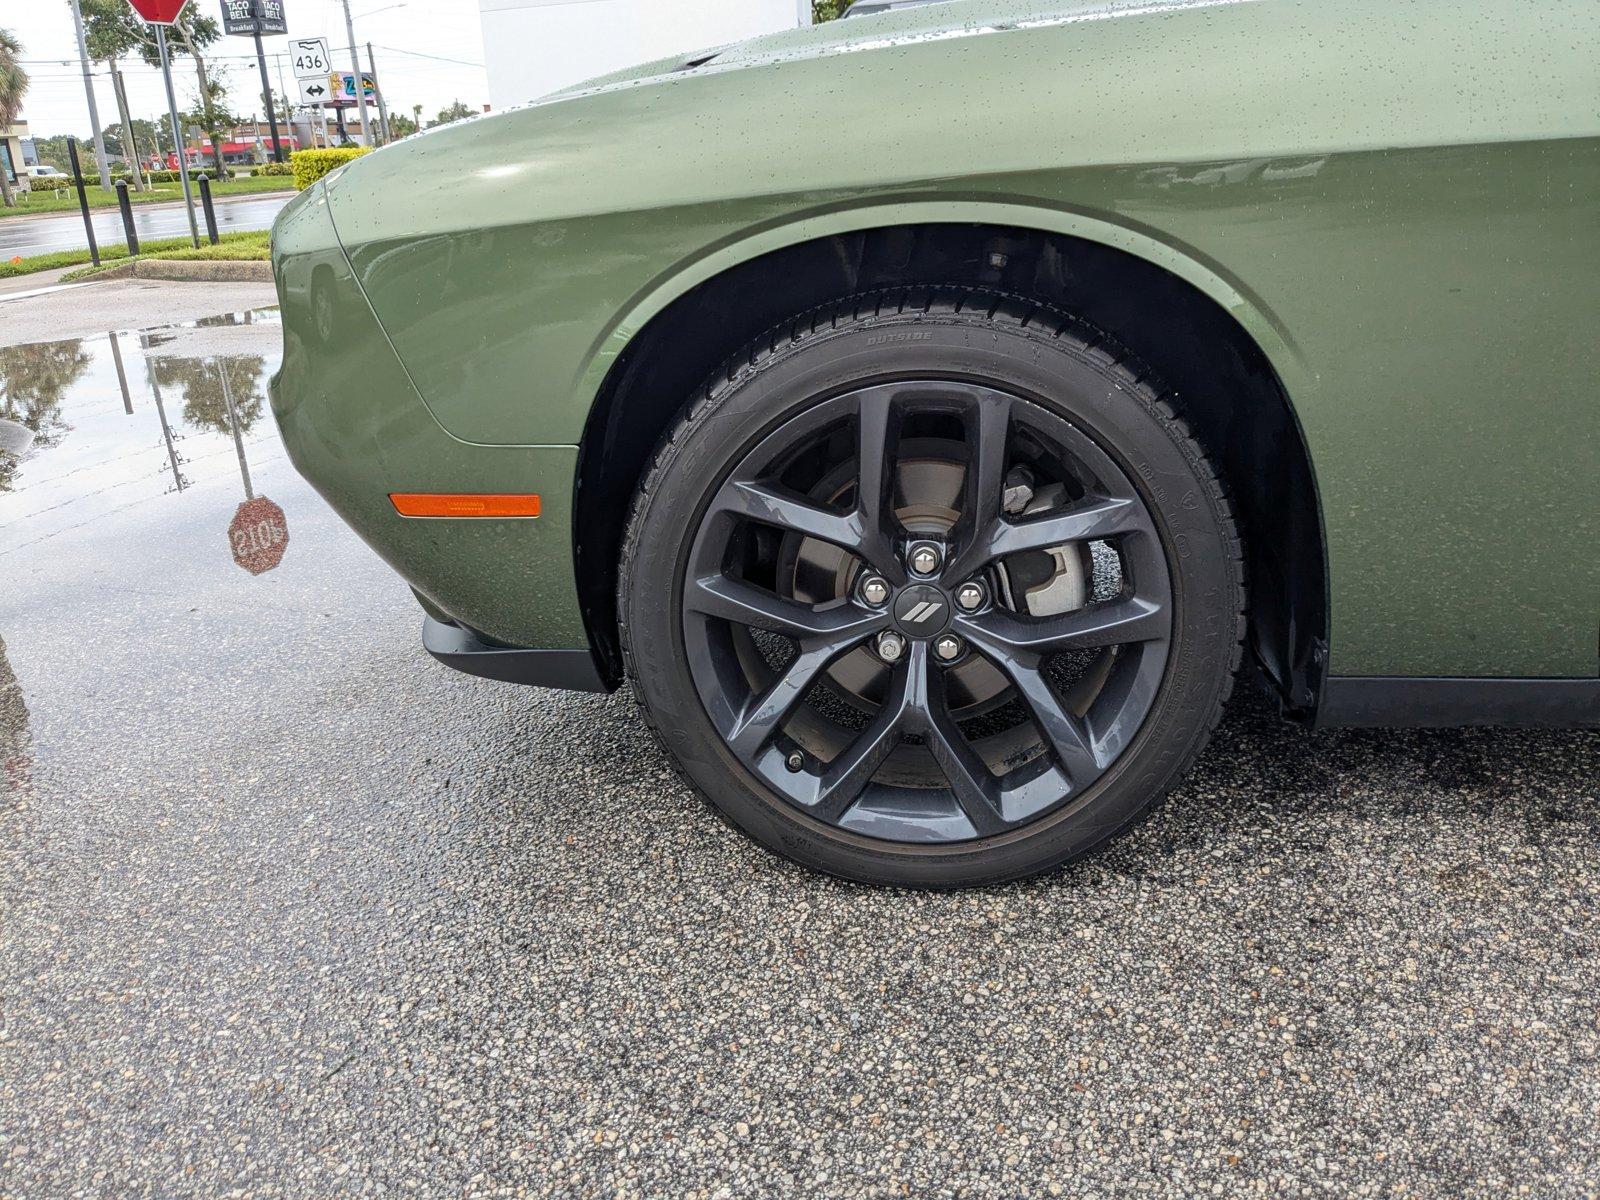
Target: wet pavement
x,y
27,236
287,909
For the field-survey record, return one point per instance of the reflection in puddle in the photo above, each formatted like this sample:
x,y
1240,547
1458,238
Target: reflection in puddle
x,y
92,426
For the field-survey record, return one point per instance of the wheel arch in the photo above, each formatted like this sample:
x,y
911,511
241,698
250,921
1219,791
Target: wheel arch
x,y
1233,366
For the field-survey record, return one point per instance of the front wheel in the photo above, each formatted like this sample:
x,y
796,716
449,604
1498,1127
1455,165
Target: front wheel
x,y
931,590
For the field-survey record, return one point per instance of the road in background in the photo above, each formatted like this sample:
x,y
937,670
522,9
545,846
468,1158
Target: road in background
x,y
27,236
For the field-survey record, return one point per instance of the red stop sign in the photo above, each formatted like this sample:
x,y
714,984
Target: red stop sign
x,y
158,12
259,535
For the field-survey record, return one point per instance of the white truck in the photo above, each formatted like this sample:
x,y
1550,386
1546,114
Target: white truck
x,y
535,47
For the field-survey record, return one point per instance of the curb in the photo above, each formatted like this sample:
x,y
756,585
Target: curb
x,y
191,271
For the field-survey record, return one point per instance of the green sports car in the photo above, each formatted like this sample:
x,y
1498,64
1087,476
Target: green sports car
x,y
924,413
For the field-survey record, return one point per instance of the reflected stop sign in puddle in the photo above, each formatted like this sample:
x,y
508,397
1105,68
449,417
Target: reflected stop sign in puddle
x,y
259,532
259,535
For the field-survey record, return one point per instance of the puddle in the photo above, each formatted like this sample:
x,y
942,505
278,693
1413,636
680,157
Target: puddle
x,y
93,426
148,444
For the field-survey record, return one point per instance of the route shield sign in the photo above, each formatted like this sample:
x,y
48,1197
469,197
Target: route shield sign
x,y
310,59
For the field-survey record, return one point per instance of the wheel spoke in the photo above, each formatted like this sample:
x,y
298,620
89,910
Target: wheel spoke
x,y
1102,519
746,604
877,438
1066,734
975,789
988,429
762,502
761,719
1114,623
853,767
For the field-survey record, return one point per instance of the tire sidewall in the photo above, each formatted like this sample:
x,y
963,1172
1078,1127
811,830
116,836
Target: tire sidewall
x,y
1085,385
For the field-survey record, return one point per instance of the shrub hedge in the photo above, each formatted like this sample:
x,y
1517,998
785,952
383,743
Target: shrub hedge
x,y
312,165
273,168
169,176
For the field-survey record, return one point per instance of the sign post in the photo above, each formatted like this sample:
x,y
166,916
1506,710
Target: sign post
x,y
252,18
162,13
83,200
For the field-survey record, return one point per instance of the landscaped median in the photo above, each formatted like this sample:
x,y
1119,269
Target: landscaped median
x,y
233,247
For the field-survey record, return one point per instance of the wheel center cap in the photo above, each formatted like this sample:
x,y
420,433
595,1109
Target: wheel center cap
x,y
922,610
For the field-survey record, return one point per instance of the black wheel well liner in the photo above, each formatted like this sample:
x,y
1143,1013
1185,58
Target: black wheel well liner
x,y
1225,389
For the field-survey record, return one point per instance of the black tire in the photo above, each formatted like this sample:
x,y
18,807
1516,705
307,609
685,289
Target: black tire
x,y
1049,359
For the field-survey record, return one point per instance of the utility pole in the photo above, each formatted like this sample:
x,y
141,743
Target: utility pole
x,y
383,109
355,71
289,108
88,90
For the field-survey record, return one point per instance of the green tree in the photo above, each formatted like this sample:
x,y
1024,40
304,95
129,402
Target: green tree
x,y
401,125
143,142
52,151
111,30
454,111
33,380
204,405
194,34
828,10
13,86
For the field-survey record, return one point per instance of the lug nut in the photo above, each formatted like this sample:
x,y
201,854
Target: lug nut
x,y
795,761
874,590
969,596
925,558
947,648
891,646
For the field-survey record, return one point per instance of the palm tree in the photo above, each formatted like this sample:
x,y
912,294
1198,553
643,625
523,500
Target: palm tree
x,y
13,86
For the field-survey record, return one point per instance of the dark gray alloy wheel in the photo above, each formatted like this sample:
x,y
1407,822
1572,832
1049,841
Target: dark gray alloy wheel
x,y
897,625
921,603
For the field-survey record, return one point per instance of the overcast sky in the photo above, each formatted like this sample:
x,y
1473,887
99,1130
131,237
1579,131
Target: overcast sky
x,y
429,52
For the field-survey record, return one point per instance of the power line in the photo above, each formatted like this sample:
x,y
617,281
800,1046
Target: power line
x,y
461,62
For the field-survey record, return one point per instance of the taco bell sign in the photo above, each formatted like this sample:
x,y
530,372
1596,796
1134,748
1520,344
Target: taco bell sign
x,y
248,18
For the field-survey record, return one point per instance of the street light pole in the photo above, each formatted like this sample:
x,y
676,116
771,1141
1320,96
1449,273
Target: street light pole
x,y
355,74
88,90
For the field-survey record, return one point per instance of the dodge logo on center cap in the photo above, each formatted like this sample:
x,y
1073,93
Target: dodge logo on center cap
x,y
922,610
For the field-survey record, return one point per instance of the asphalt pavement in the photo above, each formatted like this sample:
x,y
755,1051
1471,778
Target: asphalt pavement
x,y
288,909
27,236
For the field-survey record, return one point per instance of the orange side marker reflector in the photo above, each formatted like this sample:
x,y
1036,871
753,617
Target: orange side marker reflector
x,y
465,504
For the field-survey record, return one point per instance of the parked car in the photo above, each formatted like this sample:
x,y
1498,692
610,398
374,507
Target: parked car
x,y
49,174
928,476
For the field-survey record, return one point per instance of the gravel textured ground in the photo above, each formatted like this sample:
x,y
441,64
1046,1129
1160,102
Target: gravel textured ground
x,y
289,910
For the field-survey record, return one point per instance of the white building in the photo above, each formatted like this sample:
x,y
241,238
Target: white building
x,y
535,47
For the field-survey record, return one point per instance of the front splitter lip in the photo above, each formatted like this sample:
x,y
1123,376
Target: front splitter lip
x,y
462,650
